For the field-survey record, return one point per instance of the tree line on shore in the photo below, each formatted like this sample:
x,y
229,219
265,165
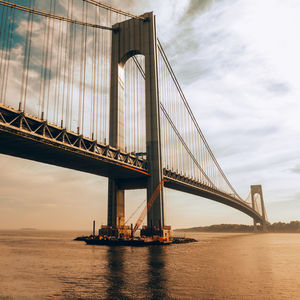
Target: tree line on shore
x,y
293,226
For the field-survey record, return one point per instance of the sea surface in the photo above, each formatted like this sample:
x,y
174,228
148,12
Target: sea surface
x,y
50,265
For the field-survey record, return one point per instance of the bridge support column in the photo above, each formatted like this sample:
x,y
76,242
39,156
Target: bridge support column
x,y
257,189
116,204
254,226
155,215
131,37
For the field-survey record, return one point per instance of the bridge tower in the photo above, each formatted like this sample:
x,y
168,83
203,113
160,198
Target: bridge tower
x,y
131,37
257,189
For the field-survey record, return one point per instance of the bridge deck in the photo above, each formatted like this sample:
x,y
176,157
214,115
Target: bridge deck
x,y
39,141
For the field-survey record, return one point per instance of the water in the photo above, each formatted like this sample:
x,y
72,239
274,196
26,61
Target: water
x,y
49,265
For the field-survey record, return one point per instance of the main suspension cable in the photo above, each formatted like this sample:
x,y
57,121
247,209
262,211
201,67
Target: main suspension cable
x,y
115,10
50,15
193,117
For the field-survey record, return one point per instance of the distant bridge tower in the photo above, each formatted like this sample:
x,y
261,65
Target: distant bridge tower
x,y
257,189
131,37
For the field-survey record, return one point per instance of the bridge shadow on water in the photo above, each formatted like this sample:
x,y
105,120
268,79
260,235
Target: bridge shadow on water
x,y
157,279
115,273
134,282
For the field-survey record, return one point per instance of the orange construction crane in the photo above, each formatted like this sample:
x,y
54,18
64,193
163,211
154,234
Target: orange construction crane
x,y
148,206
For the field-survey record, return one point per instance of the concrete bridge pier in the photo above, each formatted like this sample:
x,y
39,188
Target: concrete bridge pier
x,y
262,224
116,204
254,226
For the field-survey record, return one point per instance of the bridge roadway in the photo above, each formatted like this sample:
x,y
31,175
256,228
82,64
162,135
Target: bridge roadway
x,y
28,137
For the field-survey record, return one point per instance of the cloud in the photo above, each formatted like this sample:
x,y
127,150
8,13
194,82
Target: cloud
x,y
243,97
194,9
296,169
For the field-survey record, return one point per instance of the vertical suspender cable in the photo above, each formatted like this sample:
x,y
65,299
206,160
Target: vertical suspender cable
x,y
2,32
4,46
23,101
97,34
73,67
84,69
50,61
69,67
107,81
45,65
64,100
79,127
103,65
58,70
28,57
94,77
6,73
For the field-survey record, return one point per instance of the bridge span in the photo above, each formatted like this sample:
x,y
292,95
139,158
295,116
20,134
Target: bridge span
x,y
100,96
28,137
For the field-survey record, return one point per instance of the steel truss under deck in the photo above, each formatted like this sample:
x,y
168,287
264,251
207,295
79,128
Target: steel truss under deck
x,y
24,125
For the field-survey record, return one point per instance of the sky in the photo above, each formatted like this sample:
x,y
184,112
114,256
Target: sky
x,y
238,64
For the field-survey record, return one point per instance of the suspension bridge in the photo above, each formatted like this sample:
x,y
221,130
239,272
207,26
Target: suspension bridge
x,y
89,87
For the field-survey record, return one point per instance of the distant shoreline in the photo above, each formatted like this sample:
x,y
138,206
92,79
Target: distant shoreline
x,y
279,227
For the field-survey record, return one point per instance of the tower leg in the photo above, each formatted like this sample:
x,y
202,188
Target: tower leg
x,y
257,189
264,226
116,207
155,214
254,226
